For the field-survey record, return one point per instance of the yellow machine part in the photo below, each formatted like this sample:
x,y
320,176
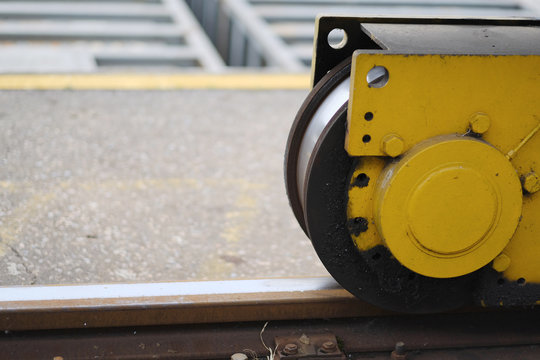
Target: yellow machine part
x,y
449,206
446,206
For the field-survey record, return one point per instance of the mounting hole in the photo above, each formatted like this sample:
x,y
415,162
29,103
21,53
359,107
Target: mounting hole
x,y
362,180
521,281
500,281
337,38
377,77
368,116
366,138
376,256
411,276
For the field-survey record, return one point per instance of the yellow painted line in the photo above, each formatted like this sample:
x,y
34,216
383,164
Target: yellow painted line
x,y
155,81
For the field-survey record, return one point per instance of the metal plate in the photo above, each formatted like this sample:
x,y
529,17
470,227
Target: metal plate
x,y
404,35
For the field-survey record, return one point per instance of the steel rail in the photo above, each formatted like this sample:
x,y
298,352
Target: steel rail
x,y
145,304
214,319
498,335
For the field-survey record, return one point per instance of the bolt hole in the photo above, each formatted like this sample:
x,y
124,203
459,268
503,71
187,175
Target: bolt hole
x,y
337,38
376,256
412,276
368,116
362,180
377,77
500,281
521,281
366,138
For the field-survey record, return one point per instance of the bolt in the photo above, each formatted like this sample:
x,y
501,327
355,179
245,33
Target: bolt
x,y
479,123
392,145
328,347
239,356
290,349
399,352
501,263
377,77
531,182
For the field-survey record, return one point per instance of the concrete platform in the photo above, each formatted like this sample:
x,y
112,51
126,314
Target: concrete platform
x,y
120,186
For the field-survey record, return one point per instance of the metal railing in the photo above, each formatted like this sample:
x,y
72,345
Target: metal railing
x,y
279,33
88,36
44,36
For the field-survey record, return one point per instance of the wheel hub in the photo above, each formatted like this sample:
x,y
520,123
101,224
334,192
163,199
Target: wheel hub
x,y
448,207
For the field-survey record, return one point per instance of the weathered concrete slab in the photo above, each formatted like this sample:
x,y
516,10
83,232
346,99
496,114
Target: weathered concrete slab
x,y
147,186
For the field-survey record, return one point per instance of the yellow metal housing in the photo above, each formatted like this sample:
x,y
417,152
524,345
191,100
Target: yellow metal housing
x,y
430,95
437,216
449,206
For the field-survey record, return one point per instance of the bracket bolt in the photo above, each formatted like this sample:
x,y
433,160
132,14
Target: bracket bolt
x,y
392,145
399,352
479,123
531,182
501,263
290,349
328,347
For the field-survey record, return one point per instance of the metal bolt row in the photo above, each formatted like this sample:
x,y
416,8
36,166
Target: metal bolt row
x,y
326,347
393,145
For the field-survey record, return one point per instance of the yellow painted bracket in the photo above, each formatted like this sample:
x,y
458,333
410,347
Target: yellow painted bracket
x,y
430,95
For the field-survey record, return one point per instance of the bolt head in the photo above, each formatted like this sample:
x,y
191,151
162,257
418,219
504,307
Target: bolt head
x,y
290,349
501,263
531,182
479,123
400,352
393,145
377,77
328,346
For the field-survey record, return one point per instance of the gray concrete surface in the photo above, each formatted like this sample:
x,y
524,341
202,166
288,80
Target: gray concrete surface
x,y
147,186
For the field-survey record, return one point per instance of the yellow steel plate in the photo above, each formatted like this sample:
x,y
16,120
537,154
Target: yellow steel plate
x,y
430,95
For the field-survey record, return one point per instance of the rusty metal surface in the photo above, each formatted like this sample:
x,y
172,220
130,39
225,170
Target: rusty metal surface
x,y
500,335
107,305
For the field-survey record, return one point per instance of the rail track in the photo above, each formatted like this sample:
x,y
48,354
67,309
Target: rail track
x,y
214,320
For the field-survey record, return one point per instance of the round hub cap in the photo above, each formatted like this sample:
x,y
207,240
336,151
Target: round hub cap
x,y
449,206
